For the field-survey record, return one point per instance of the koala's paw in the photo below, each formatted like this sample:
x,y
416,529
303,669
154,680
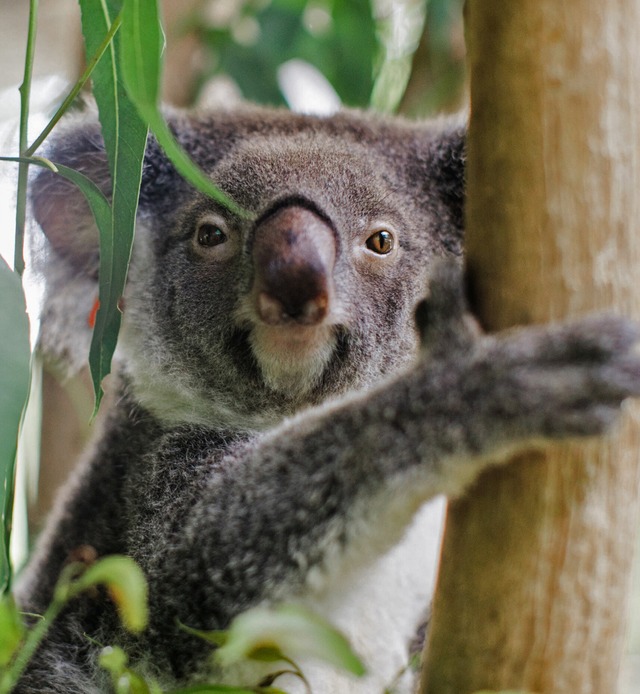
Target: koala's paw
x,y
562,380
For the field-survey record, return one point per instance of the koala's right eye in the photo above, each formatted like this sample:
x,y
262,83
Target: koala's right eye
x,y
210,235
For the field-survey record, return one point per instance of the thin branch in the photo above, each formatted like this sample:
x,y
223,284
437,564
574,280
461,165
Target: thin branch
x,y
84,78
23,169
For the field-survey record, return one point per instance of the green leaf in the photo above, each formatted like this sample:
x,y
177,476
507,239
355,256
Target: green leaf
x,y
126,585
141,46
216,637
343,51
291,630
268,654
114,660
11,630
15,355
102,215
399,34
97,202
125,136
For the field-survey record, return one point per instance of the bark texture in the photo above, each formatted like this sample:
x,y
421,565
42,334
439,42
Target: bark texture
x,y
535,575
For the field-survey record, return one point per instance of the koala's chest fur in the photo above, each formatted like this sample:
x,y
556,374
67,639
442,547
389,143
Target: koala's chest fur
x,y
382,608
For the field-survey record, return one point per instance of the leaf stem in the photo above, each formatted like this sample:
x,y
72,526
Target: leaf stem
x,y
66,589
23,168
84,78
38,161
33,640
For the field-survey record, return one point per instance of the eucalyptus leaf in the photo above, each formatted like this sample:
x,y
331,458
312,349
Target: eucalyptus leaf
x,y
98,204
15,356
141,46
11,630
114,660
215,637
289,629
126,585
125,136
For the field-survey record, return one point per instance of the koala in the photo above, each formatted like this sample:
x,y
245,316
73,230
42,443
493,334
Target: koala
x,y
293,385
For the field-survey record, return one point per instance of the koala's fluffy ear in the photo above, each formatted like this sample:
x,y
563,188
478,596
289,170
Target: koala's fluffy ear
x,y
59,206
61,209
449,160
437,166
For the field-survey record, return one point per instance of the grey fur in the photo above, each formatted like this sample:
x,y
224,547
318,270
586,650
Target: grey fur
x,y
231,492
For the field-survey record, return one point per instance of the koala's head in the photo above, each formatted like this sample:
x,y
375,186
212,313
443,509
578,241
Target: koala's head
x,y
238,320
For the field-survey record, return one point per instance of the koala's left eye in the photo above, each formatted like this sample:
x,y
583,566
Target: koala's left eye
x,y
210,235
382,242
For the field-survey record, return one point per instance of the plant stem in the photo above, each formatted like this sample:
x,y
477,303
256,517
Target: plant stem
x,y
115,25
33,640
23,168
37,161
65,590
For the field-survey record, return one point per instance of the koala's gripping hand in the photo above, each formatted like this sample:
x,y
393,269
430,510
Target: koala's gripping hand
x,y
532,383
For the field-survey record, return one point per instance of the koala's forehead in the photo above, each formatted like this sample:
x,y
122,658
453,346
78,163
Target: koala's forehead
x,y
330,170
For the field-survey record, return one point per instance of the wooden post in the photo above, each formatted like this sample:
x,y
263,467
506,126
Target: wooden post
x,y
534,581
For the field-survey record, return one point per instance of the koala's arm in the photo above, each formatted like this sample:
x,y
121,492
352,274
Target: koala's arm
x,y
279,514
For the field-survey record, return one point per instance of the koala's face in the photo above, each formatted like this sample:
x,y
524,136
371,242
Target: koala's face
x,y
242,319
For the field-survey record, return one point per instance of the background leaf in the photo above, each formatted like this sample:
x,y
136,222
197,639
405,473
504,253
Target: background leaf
x,y
15,355
336,37
399,35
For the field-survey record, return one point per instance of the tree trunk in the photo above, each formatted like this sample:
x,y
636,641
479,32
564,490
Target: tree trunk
x,y
535,573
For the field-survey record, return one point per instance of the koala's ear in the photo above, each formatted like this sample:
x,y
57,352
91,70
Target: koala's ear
x,y
61,209
448,161
59,206
437,167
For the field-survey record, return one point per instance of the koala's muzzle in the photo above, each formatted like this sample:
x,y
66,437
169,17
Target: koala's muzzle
x,y
294,252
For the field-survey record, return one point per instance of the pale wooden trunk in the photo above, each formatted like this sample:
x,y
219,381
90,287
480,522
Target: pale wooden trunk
x,y
534,583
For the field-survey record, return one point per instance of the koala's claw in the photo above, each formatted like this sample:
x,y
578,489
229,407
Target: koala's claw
x,y
597,337
564,380
593,421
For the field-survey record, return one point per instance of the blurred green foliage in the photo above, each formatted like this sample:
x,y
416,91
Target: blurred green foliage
x,y
249,40
438,80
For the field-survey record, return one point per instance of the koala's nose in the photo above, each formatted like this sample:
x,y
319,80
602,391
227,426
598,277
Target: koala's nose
x,y
294,253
